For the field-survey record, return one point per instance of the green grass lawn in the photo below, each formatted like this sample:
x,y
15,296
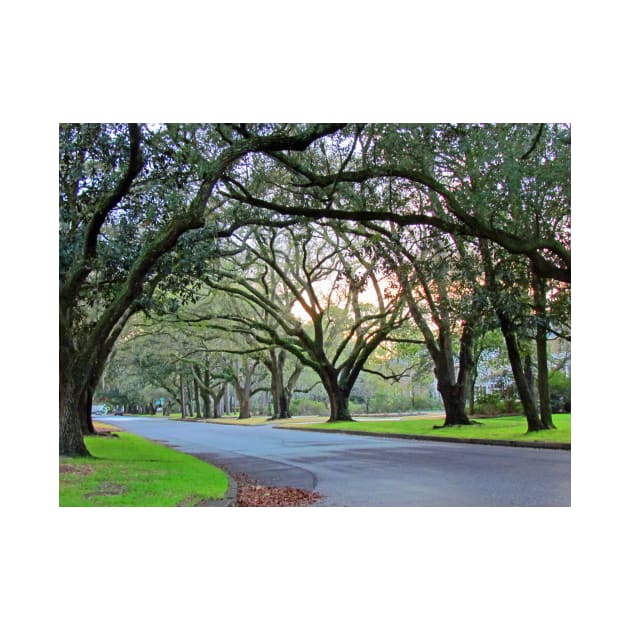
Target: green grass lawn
x,y
131,471
506,428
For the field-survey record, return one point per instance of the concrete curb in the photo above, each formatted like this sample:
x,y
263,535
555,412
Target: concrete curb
x,y
432,438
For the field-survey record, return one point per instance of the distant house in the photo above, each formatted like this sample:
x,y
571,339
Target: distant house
x,y
560,356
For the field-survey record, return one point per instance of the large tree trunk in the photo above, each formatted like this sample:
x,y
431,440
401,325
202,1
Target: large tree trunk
x,y
79,373
244,391
454,399
280,400
244,409
337,396
525,392
540,306
451,388
543,380
87,426
528,368
182,394
339,411
217,407
74,380
276,382
204,391
190,398
243,395
71,413
205,394
470,392
218,395
454,393
283,410
226,400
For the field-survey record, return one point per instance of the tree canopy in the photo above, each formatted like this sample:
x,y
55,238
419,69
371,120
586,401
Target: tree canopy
x,y
458,228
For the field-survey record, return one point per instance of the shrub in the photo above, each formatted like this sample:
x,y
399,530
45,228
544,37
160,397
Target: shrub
x,y
308,407
559,392
495,405
355,408
427,403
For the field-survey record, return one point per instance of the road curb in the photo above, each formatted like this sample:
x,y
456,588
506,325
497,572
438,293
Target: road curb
x,y
433,438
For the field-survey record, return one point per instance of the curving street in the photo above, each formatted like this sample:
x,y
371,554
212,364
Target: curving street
x,y
359,471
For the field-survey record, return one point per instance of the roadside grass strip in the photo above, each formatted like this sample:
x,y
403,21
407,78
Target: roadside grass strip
x,y
512,428
127,470
253,421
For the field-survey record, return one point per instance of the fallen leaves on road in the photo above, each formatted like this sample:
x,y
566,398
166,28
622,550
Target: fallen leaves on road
x,y
251,494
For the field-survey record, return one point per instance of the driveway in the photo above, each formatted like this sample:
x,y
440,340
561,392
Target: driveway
x,y
362,471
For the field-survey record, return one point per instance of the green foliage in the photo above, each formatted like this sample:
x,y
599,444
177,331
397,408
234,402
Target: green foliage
x,y
308,407
560,391
355,409
496,405
388,400
560,384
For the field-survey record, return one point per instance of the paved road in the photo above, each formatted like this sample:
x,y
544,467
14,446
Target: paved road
x,y
366,471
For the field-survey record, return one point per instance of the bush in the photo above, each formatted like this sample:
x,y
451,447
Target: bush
x,y
495,405
355,408
559,392
390,404
377,404
395,404
428,403
308,407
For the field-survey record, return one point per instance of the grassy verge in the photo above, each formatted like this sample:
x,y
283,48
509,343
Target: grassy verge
x,y
130,471
253,421
507,428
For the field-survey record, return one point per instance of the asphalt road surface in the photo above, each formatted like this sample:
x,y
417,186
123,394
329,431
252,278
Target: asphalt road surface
x,y
361,471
